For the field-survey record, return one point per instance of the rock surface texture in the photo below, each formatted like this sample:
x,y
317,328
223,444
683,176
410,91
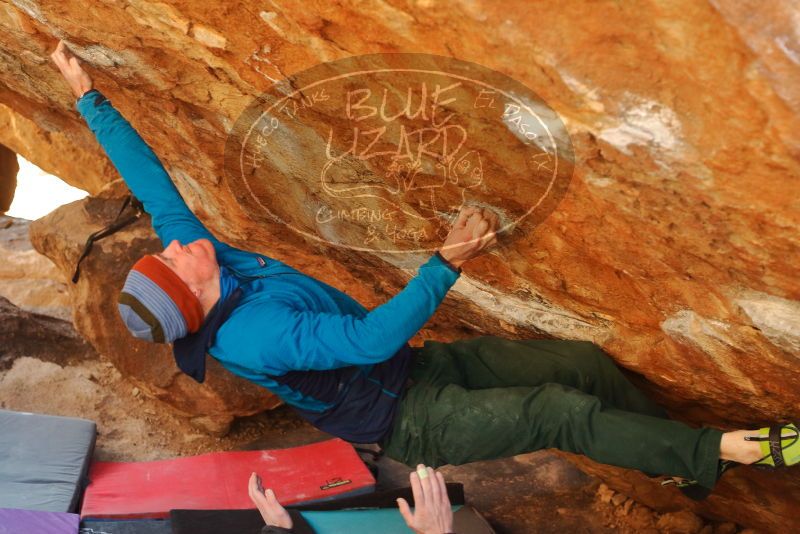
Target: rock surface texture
x,y
30,334
675,246
28,279
71,155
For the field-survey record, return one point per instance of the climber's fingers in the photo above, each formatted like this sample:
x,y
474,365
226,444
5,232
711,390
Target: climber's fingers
x,y
64,60
59,56
70,66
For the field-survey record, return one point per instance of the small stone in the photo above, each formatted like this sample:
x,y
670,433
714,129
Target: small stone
x,y
135,392
683,522
725,528
148,411
605,493
626,508
217,426
641,517
618,499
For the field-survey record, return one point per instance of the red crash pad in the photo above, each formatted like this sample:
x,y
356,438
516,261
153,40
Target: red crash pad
x,y
321,471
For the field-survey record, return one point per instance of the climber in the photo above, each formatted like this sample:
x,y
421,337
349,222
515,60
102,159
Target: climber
x,y
432,512
351,373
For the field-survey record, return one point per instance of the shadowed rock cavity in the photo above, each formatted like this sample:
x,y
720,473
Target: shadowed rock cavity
x,y
8,177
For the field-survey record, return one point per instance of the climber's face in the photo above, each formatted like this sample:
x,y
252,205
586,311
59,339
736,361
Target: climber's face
x,y
195,263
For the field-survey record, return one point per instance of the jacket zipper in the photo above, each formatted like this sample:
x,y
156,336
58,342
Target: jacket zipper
x,y
249,278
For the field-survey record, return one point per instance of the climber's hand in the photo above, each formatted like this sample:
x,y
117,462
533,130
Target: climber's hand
x,y
474,230
78,79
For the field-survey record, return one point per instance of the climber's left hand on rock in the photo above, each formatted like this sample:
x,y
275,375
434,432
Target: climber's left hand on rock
x,y
78,79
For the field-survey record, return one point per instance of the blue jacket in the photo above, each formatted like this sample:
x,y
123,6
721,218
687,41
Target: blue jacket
x,y
339,365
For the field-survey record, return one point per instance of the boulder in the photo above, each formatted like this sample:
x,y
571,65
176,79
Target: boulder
x,y
674,246
28,279
26,334
61,236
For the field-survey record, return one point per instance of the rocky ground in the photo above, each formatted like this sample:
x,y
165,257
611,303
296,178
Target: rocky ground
x,y
46,368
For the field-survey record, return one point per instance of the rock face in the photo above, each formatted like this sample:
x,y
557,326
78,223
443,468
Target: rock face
x,y
674,247
64,152
28,279
29,334
61,236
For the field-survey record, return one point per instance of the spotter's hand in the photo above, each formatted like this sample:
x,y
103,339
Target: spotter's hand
x,y
271,510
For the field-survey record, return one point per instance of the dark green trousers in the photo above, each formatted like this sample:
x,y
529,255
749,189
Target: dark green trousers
x,y
489,397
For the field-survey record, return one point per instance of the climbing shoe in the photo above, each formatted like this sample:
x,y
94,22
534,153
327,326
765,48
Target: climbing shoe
x,y
780,445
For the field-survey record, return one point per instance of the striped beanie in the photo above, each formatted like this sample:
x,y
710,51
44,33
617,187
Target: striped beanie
x,y
156,305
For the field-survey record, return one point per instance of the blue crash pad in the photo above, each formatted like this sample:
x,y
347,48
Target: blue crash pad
x,y
43,460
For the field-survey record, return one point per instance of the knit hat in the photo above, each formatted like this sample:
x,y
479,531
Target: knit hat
x,y
156,305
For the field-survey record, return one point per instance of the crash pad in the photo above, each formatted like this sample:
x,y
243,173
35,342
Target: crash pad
x,y
125,526
318,472
238,521
369,514
466,520
43,460
16,521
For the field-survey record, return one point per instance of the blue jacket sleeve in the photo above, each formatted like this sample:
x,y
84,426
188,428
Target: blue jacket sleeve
x,y
306,339
142,171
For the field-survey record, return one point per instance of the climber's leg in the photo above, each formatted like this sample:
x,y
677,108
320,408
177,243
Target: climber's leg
x,y
440,424
490,362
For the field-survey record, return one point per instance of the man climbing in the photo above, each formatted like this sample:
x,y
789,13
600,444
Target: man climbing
x,y
351,372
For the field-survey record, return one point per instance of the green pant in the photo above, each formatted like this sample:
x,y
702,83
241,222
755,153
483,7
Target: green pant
x,y
489,397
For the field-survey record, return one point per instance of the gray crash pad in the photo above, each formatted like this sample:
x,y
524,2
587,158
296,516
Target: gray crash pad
x,y
43,460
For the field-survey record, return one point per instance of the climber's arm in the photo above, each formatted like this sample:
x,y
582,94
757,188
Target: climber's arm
x,y
136,162
142,171
294,338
